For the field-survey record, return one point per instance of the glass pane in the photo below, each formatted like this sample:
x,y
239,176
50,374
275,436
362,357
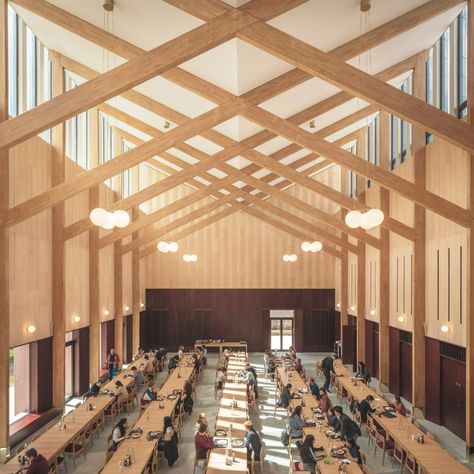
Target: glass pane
x,y
69,371
275,333
287,331
19,382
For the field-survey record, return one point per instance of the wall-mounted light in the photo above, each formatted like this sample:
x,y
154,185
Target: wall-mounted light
x,y
445,328
353,308
401,318
142,305
338,305
31,328
127,308
372,312
106,312
76,318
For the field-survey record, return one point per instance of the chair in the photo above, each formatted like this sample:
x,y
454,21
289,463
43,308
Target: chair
x,y
410,463
109,453
399,455
111,411
89,434
295,464
382,443
77,447
98,424
371,429
152,466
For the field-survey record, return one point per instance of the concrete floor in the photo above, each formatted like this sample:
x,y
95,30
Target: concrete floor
x,y
262,415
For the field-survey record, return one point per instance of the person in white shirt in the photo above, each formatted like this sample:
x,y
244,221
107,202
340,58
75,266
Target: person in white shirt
x,y
180,352
119,432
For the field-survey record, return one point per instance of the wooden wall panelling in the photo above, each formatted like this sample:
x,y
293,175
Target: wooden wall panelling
x,y
361,306
394,368
58,141
118,297
41,375
136,299
433,380
406,370
4,244
470,246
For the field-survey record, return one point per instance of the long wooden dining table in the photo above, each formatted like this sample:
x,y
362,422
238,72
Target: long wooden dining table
x,y
53,442
300,387
430,455
233,393
152,419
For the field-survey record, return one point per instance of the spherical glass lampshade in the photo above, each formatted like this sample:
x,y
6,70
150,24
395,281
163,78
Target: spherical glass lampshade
x,y
316,246
375,217
186,257
162,246
293,257
173,247
110,224
98,216
364,222
121,218
306,246
353,219
286,258
194,258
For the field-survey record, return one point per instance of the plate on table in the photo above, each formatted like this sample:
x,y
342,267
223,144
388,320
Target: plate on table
x,y
136,433
346,461
220,433
238,443
160,398
221,442
340,452
309,421
172,397
390,409
317,410
151,435
303,390
296,396
319,416
329,432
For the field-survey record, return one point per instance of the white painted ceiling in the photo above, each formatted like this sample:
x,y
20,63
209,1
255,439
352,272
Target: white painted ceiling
x,y
237,66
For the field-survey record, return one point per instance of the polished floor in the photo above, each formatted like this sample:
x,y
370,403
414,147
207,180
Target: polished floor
x,y
262,415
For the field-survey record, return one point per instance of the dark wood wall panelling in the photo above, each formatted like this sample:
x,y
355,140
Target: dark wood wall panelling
x,y
349,337
107,340
400,363
127,338
180,316
81,361
41,375
372,347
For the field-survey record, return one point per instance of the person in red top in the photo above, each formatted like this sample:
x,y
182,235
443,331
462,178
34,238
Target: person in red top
x,y
37,463
324,401
112,363
203,442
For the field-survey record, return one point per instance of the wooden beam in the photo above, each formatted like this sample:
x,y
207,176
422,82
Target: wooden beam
x,y
384,273
470,246
359,83
122,78
94,292
156,234
328,239
4,246
384,177
419,254
58,295
192,229
127,160
136,307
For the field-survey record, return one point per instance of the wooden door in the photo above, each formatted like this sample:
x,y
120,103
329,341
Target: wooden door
x,y
375,364
406,371
453,396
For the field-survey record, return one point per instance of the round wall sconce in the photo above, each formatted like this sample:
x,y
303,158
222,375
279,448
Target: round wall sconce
x,y
353,308
373,312
338,305
127,308
106,312
401,318
445,328
142,305
76,318
31,328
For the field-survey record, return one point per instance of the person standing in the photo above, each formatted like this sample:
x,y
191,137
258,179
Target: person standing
x,y
113,363
252,442
203,443
328,368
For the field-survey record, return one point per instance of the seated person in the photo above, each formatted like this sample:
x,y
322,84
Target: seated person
x,y
252,442
203,442
202,419
138,376
354,450
180,352
324,401
120,392
37,464
94,390
187,397
169,441
333,420
399,406
299,366
139,353
271,367
285,396
349,428
148,395
365,408
173,363
306,452
296,423
250,380
314,389
119,433
363,372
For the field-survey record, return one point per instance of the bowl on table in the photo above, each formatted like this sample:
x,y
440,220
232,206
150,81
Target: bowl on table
x,y
238,442
221,442
220,433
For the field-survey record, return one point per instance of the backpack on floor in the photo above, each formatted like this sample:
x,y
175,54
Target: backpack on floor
x,y
285,438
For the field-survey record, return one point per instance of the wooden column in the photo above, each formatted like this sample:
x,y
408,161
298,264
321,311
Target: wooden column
x,y
384,273
4,254
470,245
58,254
419,249
118,297
361,302
344,283
135,285
94,302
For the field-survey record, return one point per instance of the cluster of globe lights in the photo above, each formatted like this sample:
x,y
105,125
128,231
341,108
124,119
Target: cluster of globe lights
x,y
311,246
290,258
108,220
190,258
366,220
167,246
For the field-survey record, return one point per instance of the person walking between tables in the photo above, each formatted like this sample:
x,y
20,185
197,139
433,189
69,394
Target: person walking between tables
x,y
252,442
328,368
112,363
